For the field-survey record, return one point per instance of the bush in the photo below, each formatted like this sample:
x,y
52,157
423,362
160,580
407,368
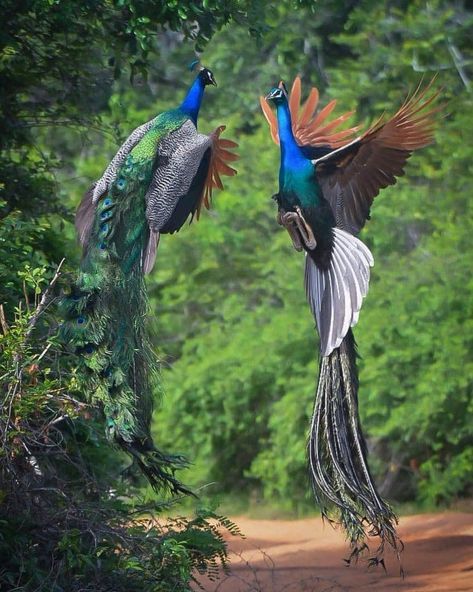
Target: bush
x,y
67,520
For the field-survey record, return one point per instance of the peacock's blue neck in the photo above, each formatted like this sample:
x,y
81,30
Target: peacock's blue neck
x,y
293,160
291,154
191,104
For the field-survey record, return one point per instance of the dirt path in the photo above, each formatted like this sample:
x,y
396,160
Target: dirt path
x,y
307,556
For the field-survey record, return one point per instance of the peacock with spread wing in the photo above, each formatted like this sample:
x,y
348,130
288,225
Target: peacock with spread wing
x,y
327,183
162,174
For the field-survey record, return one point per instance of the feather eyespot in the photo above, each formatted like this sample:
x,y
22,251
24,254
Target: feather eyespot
x,y
89,348
121,184
107,201
80,320
104,227
103,246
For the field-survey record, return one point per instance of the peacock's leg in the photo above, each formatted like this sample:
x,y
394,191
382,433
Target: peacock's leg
x,y
286,219
305,230
297,228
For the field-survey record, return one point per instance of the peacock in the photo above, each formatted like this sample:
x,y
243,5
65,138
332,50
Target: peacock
x,y
327,183
163,174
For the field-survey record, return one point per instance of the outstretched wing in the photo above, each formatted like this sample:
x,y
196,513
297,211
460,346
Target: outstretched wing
x,y
219,159
309,127
352,176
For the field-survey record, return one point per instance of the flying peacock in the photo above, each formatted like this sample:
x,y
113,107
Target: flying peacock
x,y
161,175
327,184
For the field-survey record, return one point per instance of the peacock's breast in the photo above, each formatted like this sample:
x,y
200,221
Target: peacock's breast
x,y
300,188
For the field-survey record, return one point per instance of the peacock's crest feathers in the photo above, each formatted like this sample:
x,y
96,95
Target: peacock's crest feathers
x,y
309,126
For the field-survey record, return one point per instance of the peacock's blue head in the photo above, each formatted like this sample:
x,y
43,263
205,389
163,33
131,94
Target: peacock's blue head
x,y
277,95
207,77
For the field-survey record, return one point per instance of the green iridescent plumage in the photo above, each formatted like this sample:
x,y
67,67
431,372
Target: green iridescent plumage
x,y
106,314
162,174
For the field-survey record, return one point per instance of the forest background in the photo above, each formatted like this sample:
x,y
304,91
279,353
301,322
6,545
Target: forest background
x,y
229,319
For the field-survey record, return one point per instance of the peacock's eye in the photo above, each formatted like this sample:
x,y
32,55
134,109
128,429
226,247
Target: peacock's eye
x,y
107,201
80,320
89,348
103,246
104,227
121,183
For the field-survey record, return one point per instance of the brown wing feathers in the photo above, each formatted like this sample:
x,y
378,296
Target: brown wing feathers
x,y
220,156
411,127
352,176
309,127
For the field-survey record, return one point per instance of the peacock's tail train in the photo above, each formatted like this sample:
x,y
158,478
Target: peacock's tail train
x,y
338,458
105,321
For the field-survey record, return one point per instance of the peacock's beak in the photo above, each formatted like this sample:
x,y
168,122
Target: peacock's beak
x,y
273,93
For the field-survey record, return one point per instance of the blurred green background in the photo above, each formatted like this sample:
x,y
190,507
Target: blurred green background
x,y
229,318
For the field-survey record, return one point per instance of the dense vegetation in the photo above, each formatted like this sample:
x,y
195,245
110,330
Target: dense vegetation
x,y
230,311
230,322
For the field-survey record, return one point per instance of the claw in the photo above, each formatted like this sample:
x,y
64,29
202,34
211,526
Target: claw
x,y
305,230
287,219
297,228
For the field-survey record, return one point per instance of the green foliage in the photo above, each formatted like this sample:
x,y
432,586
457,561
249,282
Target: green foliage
x,y
229,302
66,520
233,330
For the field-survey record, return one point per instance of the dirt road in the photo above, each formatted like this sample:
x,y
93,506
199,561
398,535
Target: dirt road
x,y
307,556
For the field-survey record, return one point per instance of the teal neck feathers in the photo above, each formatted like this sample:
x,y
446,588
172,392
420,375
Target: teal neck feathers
x,y
191,104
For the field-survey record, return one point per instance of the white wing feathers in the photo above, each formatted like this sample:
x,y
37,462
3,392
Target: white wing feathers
x,y
335,295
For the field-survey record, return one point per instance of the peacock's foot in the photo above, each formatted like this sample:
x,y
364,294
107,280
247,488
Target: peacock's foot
x,y
298,229
287,220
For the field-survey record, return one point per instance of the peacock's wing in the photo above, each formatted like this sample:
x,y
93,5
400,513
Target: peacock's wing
x,y
352,176
143,143
310,128
85,214
220,156
188,167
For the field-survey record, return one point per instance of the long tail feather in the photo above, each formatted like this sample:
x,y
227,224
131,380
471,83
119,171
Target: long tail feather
x,y
105,322
338,459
